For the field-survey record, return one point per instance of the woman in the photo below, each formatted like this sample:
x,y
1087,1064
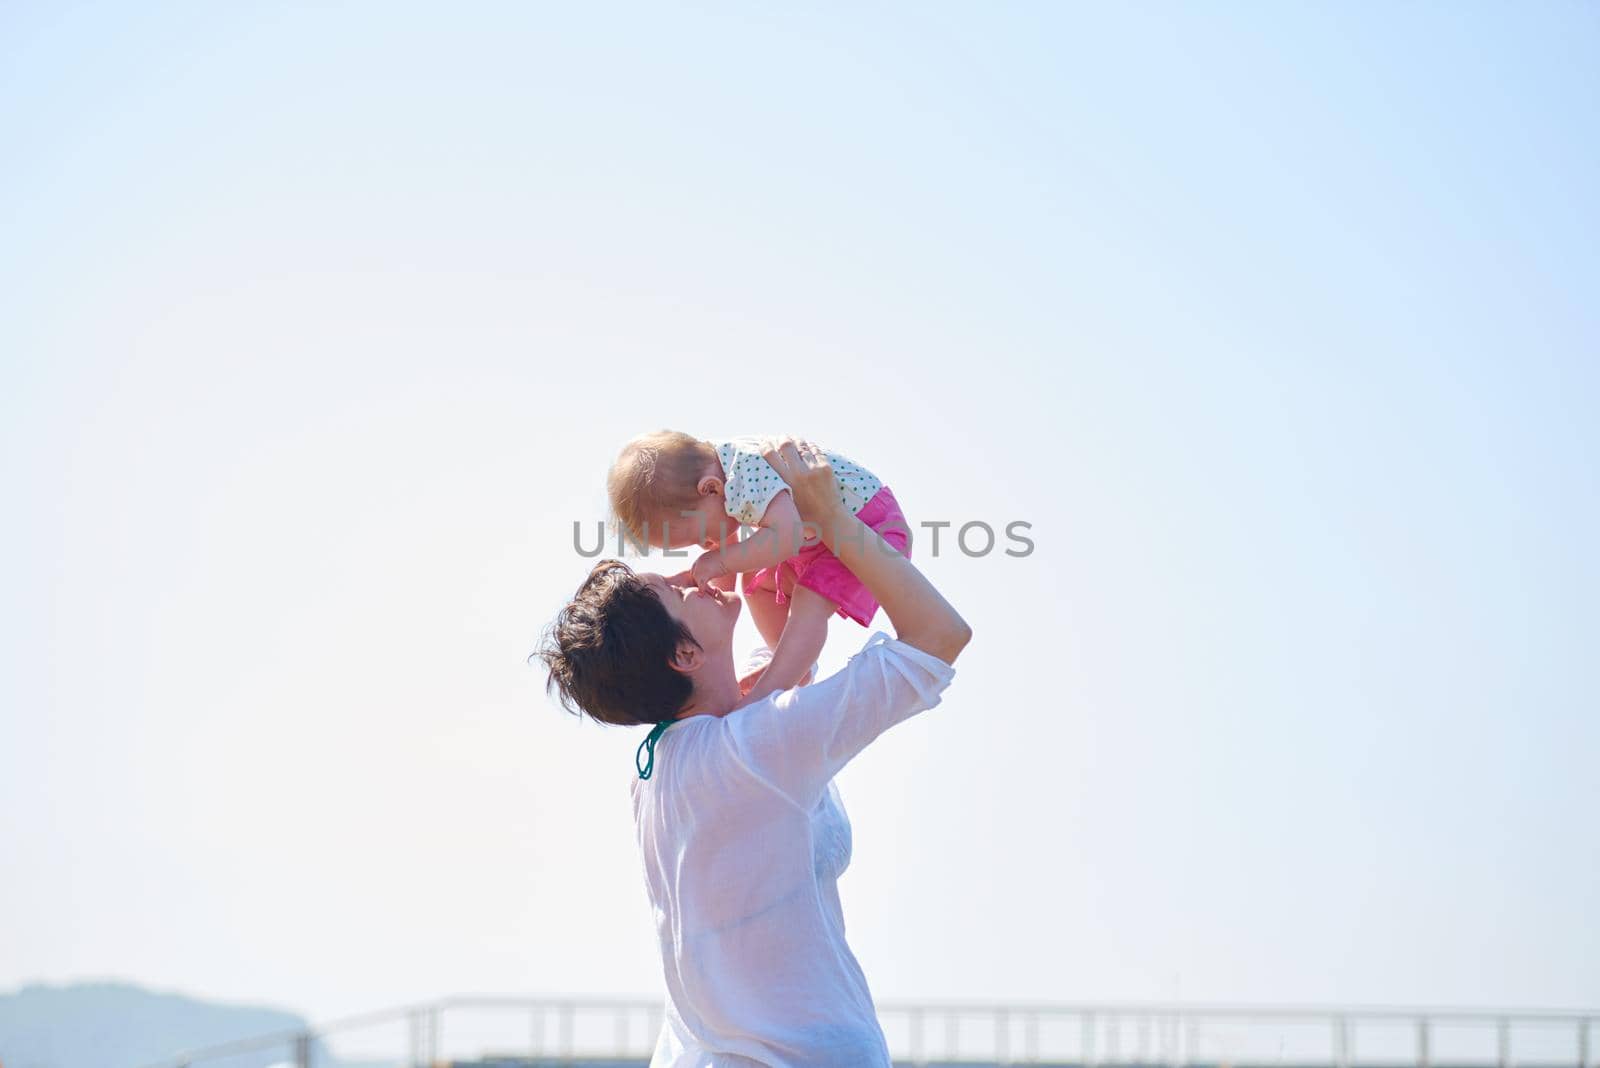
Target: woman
x,y
737,818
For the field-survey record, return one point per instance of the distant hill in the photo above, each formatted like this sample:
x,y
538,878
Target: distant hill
x,y
118,1025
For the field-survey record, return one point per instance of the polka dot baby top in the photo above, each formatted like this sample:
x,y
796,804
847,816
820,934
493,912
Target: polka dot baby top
x,y
751,482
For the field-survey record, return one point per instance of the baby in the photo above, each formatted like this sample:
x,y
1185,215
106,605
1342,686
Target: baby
x,y
671,491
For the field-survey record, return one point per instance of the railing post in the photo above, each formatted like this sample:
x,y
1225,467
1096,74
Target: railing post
x,y
302,1050
1030,1036
1422,1042
1002,1037
1086,1027
1505,1043
536,1032
433,1036
568,1011
1583,1044
916,1039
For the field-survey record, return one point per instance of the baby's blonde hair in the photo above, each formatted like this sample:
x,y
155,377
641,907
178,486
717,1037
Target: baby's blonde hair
x,y
655,476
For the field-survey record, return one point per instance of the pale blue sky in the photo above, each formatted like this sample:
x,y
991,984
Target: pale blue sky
x,y
319,326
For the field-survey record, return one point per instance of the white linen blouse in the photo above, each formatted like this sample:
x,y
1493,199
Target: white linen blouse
x,y
743,837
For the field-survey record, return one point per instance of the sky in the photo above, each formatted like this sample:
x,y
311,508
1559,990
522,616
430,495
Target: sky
x,y
320,325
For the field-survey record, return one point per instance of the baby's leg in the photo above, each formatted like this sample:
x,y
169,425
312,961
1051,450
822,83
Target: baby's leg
x,y
768,614
804,633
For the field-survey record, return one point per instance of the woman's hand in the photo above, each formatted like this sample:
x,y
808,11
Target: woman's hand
x,y
920,614
810,478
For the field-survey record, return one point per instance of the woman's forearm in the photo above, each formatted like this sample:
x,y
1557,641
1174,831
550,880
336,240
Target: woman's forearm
x,y
920,614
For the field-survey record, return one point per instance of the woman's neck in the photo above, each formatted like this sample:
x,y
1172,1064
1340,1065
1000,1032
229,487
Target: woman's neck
x,y
716,691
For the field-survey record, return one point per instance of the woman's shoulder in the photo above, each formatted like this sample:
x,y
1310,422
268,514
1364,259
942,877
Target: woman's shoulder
x,y
796,740
708,763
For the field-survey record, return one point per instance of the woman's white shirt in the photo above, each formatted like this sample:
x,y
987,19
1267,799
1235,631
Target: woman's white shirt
x,y
743,837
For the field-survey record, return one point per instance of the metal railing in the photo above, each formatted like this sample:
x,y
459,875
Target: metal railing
x,y
577,1031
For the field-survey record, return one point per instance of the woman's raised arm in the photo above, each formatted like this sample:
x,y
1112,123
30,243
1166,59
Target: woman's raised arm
x,y
921,616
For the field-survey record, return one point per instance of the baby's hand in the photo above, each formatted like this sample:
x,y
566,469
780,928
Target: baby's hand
x,y
708,566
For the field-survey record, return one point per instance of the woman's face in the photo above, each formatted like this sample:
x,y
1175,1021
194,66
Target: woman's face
x,y
708,613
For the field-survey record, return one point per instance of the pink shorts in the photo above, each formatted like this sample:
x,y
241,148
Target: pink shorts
x,y
816,568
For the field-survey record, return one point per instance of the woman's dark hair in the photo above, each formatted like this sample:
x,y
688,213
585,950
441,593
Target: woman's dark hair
x,y
609,652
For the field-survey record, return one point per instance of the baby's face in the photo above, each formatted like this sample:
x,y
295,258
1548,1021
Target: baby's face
x,y
705,525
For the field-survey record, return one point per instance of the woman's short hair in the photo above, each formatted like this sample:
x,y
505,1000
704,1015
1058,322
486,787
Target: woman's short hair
x,y
610,649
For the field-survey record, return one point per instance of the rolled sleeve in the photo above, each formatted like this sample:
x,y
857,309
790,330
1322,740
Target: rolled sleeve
x,y
799,739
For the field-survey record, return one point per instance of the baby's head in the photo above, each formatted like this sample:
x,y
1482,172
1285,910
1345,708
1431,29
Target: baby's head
x,y
666,490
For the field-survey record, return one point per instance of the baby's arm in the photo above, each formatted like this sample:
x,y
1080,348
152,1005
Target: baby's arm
x,y
725,582
779,537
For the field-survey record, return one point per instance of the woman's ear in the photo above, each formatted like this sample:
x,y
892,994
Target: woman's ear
x,y
687,658
709,486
